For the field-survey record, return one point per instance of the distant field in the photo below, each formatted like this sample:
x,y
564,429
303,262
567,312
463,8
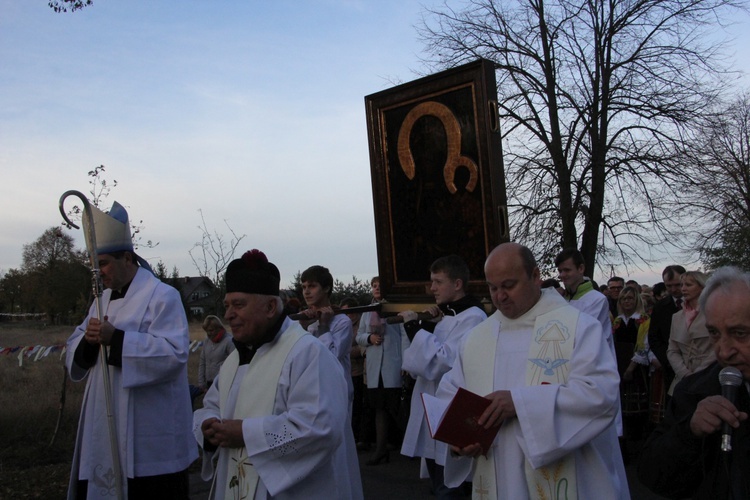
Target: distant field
x,y
31,465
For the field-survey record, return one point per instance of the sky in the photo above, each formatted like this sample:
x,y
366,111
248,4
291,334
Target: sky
x,y
249,111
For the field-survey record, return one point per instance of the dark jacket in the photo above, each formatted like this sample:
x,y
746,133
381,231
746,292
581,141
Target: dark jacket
x,y
658,334
676,464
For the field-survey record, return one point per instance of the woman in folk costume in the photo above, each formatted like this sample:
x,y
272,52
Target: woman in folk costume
x,y
690,349
630,331
142,326
630,317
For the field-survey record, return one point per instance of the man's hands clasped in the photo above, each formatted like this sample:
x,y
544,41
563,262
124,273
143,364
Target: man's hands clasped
x,y
224,433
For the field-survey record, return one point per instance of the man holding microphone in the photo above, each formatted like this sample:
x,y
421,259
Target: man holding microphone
x,y
702,448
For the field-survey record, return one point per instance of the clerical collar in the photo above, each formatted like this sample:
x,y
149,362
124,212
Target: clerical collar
x,y
246,352
119,294
456,307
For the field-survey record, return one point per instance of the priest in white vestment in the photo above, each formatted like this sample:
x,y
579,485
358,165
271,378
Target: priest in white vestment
x,y
275,418
144,331
553,391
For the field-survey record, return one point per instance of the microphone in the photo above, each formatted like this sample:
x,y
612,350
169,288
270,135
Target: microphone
x,y
730,379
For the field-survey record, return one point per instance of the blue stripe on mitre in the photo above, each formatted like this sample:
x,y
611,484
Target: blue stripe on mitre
x,y
119,213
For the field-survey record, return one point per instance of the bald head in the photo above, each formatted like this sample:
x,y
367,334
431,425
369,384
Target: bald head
x,y
513,279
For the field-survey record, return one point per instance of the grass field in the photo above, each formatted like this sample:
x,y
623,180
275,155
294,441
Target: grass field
x,y
32,464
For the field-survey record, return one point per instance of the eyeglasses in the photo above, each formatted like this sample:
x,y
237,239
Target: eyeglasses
x,y
614,287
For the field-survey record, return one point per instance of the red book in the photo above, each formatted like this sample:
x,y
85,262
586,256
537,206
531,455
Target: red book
x,y
455,422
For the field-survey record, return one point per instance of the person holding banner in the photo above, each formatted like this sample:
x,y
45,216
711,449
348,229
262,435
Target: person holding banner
x,y
434,345
144,329
334,330
549,374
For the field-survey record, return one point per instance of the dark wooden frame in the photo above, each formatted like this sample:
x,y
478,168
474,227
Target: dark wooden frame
x,y
437,177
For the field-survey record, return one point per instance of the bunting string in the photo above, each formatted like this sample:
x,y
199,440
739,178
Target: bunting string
x,y
38,352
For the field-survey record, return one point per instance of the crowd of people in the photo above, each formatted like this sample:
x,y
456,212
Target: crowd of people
x,y
576,379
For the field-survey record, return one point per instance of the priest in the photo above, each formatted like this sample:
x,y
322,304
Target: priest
x,y
275,417
552,383
144,332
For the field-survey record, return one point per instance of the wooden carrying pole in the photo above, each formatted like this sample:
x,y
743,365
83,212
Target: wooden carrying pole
x,y
96,286
350,310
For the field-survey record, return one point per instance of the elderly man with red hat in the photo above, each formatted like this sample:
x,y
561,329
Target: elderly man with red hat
x,y
276,415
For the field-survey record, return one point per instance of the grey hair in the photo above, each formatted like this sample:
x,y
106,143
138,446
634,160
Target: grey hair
x,y
723,278
275,298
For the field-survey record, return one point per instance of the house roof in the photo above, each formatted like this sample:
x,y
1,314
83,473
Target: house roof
x,y
191,284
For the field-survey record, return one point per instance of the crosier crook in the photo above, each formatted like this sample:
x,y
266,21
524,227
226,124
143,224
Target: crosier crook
x,y
96,286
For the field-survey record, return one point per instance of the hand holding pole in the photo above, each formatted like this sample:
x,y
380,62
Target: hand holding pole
x,y
96,285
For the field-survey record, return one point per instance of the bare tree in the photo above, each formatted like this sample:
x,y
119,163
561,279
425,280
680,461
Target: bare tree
x,y
595,98
214,252
719,192
68,5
